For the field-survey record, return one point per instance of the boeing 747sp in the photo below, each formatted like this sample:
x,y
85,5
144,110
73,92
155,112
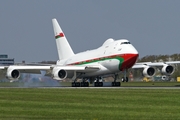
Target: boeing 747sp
x,y
111,58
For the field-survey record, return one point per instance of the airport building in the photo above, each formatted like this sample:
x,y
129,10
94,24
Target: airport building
x,y
4,60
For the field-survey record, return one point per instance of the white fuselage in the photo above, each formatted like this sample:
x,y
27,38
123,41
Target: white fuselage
x,y
109,56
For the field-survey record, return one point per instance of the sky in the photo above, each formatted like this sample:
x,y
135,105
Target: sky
x,y
26,32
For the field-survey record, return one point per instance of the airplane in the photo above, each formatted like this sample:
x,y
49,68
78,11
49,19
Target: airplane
x,y
111,58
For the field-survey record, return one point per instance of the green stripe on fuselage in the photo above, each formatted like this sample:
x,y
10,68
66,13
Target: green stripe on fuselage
x,y
121,60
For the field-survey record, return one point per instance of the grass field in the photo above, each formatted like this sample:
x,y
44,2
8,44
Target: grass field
x,y
92,104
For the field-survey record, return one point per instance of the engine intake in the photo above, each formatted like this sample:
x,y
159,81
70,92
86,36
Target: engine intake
x,y
62,74
59,74
167,70
13,74
149,71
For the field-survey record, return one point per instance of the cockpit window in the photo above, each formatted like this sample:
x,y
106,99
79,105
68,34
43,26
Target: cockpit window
x,y
125,43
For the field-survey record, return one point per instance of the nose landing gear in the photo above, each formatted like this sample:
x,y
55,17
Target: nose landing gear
x,y
124,79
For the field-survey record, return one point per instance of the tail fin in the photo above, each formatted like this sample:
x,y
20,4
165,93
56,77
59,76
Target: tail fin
x,y
63,47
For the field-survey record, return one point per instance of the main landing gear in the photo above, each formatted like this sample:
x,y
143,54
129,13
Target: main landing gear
x,y
84,82
116,84
97,82
80,84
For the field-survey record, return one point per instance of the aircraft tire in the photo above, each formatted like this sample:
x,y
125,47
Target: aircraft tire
x,y
73,84
113,84
127,79
123,79
95,84
84,84
100,84
77,84
118,84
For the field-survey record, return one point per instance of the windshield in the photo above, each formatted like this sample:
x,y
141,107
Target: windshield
x,y
125,43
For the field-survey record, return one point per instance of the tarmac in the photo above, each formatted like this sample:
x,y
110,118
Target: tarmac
x,y
67,87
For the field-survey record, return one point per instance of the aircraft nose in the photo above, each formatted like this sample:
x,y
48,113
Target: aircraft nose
x,y
129,60
133,50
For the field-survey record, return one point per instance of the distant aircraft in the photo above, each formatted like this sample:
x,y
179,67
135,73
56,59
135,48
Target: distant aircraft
x,y
113,57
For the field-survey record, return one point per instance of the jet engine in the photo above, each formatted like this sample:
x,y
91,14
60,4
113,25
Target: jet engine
x,y
167,70
149,71
12,74
59,74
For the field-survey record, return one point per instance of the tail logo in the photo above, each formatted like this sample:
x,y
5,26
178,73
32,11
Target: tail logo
x,y
59,35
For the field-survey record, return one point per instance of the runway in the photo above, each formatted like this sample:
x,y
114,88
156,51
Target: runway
x,y
67,87
106,85
113,87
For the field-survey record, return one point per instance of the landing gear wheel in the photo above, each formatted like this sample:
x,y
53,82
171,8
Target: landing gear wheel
x,y
116,84
124,79
84,84
113,83
127,79
98,84
75,84
95,84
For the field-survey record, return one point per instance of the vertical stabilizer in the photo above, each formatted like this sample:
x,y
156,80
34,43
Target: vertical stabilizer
x,y
63,47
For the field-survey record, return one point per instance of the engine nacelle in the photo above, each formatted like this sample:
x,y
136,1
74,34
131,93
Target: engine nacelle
x,y
59,74
149,71
167,70
12,74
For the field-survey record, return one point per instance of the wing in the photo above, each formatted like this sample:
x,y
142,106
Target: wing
x,y
13,72
2,67
149,67
154,64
